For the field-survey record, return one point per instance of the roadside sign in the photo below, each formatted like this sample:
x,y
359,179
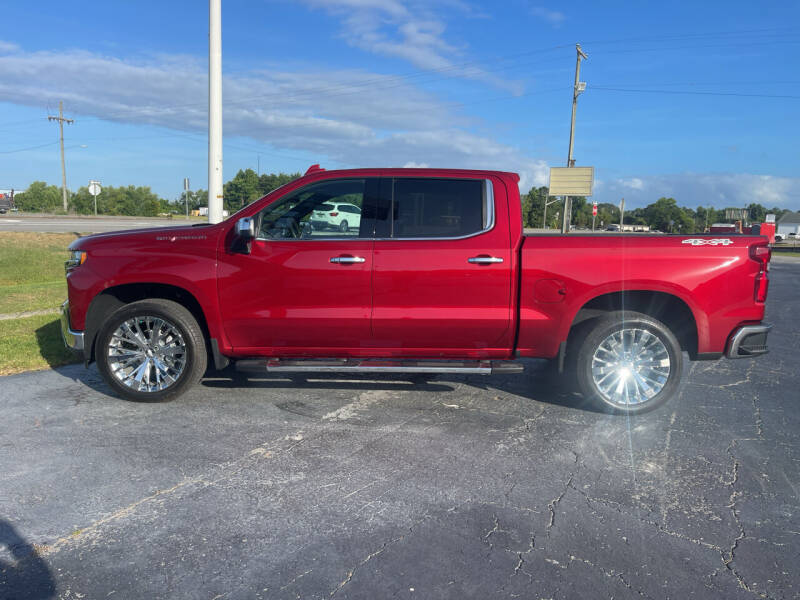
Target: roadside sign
x,y
571,181
94,189
736,214
594,209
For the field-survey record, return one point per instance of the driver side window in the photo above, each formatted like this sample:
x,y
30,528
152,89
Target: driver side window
x,y
326,210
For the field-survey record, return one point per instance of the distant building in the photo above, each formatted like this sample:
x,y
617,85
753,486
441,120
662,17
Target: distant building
x,y
788,223
203,212
723,228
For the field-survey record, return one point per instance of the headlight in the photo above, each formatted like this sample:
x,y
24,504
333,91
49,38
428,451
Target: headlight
x,y
76,258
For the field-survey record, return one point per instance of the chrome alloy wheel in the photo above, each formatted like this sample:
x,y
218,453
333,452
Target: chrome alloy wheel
x,y
147,353
630,366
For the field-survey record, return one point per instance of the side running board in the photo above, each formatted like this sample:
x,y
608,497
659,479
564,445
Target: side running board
x,y
371,365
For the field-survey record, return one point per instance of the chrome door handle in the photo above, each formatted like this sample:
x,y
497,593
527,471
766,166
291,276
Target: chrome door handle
x,y
484,260
348,259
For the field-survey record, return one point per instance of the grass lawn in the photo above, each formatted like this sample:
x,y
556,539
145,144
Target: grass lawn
x,y
32,343
32,278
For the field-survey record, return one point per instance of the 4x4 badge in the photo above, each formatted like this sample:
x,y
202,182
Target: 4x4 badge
x,y
708,242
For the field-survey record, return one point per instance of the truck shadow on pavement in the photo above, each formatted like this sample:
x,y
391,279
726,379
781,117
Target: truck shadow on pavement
x,y
28,577
539,383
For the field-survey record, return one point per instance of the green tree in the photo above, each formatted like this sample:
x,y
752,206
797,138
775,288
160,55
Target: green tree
x,y
197,198
533,207
581,212
40,197
241,190
665,215
607,214
268,183
124,200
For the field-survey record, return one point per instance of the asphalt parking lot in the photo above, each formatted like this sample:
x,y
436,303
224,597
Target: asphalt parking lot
x,y
460,487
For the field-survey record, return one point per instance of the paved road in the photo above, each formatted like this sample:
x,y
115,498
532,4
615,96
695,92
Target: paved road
x,y
71,224
462,487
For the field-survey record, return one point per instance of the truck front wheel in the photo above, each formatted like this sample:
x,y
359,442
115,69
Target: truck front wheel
x,y
151,351
629,363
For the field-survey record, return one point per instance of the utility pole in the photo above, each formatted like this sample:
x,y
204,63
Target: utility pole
x,y
577,89
214,111
621,213
61,120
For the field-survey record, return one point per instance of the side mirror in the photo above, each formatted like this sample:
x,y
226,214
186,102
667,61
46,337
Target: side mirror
x,y
246,229
244,233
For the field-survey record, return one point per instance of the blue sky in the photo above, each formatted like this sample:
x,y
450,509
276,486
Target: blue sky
x,y
693,100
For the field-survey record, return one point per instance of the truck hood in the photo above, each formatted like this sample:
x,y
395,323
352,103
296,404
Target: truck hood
x,y
146,236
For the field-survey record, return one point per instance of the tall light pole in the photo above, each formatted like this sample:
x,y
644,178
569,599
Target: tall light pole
x,y
186,194
577,89
214,111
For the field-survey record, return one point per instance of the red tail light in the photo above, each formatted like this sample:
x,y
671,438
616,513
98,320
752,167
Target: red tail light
x,y
334,214
761,254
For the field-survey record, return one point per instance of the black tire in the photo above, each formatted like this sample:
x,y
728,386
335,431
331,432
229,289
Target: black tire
x,y
343,226
648,378
190,345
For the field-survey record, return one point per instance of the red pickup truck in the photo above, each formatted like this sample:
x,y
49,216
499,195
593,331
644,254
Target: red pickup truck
x,y
428,272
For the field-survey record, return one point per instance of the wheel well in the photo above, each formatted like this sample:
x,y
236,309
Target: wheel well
x,y
669,309
111,299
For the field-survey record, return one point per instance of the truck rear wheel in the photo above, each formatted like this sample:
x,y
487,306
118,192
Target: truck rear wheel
x,y
628,363
151,351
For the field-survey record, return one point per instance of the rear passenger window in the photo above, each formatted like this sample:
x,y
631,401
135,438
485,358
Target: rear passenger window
x,y
437,208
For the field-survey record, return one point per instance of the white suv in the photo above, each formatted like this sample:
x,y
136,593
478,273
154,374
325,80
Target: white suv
x,y
334,215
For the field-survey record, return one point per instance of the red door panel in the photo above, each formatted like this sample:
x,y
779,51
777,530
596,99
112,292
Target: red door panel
x,y
287,297
432,298
429,299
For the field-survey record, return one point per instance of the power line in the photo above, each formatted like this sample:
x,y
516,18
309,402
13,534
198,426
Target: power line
x,y
697,47
648,39
398,80
28,148
695,93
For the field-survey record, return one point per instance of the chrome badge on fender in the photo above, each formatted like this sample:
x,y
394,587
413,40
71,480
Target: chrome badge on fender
x,y
708,242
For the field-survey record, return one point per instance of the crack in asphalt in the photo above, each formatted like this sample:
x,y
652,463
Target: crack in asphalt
x,y
551,506
295,579
224,472
610,573
619,508
372,555
757,415
729,556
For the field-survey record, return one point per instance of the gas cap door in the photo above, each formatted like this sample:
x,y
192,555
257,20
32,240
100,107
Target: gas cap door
x,y
550,290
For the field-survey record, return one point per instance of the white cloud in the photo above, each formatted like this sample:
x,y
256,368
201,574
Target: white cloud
x,y
553,17
8,47
633,183
410,30
720,190
387,122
